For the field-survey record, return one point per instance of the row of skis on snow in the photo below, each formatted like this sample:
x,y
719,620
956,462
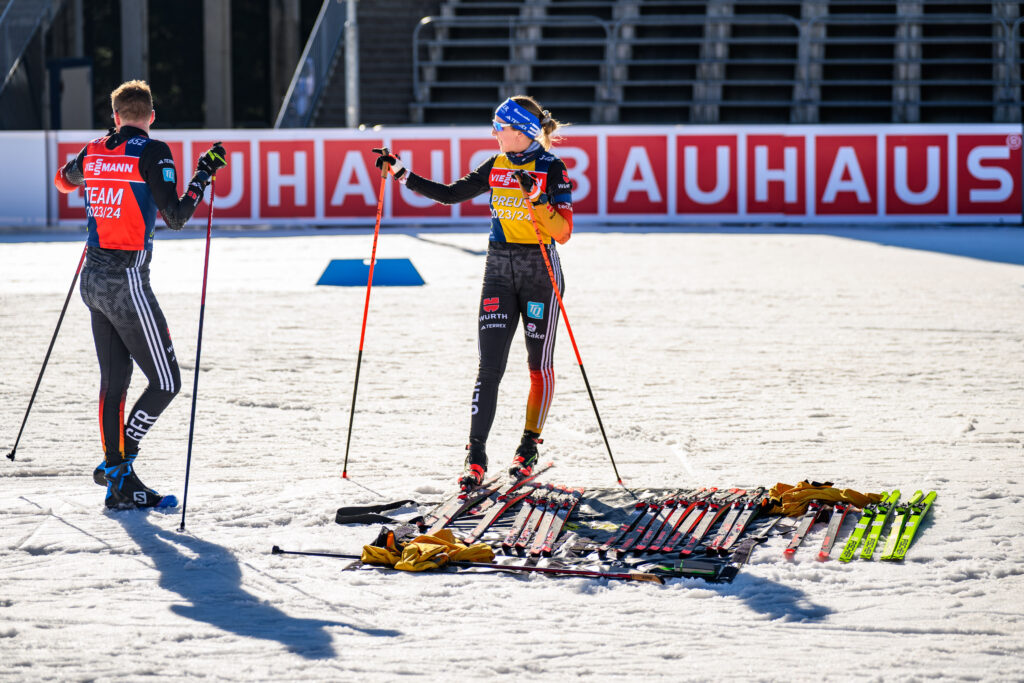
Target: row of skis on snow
x,y
689,523
905,519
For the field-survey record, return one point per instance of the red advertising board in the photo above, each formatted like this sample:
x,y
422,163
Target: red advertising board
x,y
988,169
637,174
708,174
669,174
846,175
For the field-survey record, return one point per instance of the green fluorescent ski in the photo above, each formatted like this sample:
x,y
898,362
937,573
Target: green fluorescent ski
x,y
858,531
917,513
878,523
899,520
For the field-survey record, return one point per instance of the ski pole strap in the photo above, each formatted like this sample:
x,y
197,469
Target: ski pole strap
x,y
368,514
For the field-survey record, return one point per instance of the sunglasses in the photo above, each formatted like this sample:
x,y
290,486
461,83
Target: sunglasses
x,y
501,125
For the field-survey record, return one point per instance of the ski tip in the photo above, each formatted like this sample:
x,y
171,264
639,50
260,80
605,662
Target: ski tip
x,y
822,557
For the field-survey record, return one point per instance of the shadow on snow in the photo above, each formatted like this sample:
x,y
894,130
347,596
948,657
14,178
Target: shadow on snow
x,y
212,583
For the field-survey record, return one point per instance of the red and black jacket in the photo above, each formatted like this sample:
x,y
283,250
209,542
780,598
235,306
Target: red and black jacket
x,y
128,177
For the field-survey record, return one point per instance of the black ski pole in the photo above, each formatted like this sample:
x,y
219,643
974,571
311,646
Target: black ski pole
x,y
199,351
559,571
53,339
366,310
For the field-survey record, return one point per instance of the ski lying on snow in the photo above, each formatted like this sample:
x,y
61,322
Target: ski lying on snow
x,y
839,511
525,512
638,512
512,485
569,504
451,507
814,509
917,512
550,511
736,508
885,508
684,507
717,507
687,522
655,527
744,550
853,542
558,570
899,520
504,502
634,534
750,510
532,523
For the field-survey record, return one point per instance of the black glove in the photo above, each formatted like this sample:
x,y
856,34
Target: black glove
x,y
212,160
530,187
384,156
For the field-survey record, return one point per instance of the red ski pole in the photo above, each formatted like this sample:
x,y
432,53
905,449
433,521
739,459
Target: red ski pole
x,y
366,310
568,327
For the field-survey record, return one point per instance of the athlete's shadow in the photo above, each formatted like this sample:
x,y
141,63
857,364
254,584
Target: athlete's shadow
x,y
777,601
212,582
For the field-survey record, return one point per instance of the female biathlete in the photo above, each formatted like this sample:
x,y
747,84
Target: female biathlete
x,y
516,282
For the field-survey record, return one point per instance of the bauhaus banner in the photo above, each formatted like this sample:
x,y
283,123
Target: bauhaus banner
x,y
620,174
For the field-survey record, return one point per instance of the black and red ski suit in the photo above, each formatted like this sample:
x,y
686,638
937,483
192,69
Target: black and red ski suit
x,y
127,177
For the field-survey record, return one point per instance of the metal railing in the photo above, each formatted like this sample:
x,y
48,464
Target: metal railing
x,y
523,39
711,62
315,67
910,62
18,23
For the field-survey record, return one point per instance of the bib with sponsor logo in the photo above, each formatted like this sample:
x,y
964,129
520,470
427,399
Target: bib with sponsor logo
x,y
510,215
119,205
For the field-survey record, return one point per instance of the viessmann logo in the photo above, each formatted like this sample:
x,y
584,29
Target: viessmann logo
x,y
99,167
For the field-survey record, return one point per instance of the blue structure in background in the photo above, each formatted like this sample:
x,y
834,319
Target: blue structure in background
x,y
387,272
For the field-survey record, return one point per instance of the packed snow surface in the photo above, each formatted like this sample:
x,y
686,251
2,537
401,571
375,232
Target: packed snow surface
x,y
734,358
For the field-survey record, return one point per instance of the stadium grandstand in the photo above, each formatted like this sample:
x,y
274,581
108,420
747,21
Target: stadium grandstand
x,y
297,63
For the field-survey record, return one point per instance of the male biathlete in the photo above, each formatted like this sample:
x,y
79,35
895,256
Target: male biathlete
x,y
128,176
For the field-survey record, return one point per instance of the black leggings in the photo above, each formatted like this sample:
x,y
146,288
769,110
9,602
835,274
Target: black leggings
x,y
516,287
127,325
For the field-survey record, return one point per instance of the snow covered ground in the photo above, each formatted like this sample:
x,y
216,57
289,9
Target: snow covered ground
x,y
717,358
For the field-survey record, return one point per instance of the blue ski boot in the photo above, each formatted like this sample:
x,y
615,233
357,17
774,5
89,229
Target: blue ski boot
x,y
125,491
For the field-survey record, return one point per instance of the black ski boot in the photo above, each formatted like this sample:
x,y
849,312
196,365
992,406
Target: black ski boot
x,y
526,455
126,491
99,475
476,466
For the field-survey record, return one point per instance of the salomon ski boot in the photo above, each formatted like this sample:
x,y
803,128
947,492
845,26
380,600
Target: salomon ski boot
x,y
526,455
99,475
476,466
126,491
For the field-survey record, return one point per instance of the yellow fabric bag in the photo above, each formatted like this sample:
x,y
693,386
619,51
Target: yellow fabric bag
x,y
792,501
426,552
